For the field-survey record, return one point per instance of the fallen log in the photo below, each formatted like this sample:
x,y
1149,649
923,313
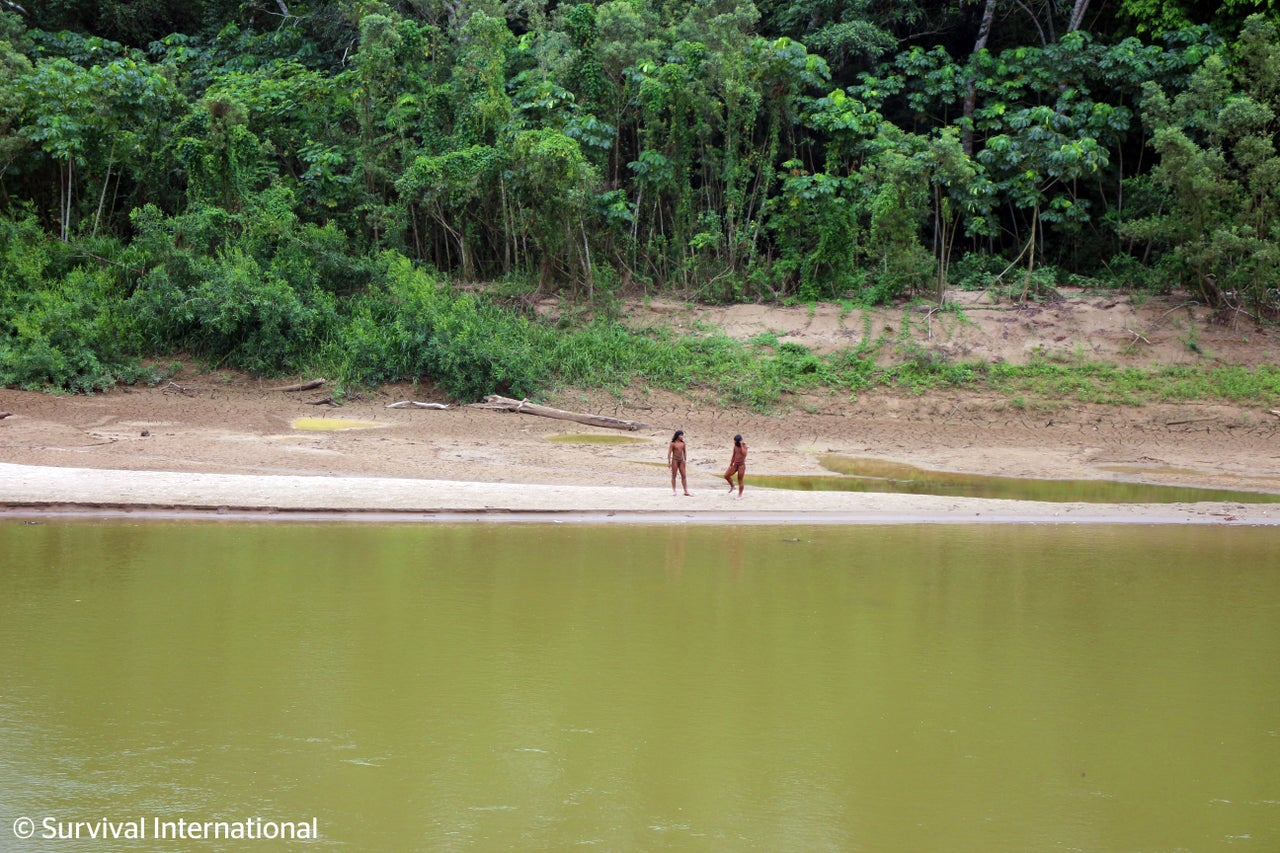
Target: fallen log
x,y
524,407
414,404
301,386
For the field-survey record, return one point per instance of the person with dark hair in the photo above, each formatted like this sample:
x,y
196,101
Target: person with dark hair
x,y
737,464
677,454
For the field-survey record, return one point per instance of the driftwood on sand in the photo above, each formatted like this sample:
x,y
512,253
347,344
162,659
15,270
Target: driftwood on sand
x,y
524,407
301,386
414,404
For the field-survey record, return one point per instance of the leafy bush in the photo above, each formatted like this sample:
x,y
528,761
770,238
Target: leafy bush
x,y
409,326
59,324
64,337
236,315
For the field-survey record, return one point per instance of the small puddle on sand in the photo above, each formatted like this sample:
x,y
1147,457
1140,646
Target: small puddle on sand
x,y
591,438
331,424
877,475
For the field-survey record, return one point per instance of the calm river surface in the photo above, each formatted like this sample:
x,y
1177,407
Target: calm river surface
x,y
633,687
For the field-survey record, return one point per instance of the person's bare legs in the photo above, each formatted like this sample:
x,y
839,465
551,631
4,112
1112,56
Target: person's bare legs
x,y
684,479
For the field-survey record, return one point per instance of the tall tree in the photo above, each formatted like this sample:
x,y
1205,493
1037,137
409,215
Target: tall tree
x,y
1218,177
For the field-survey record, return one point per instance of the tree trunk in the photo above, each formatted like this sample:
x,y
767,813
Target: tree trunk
x,y
1077,15
102,196
1031,260
506,404
971,95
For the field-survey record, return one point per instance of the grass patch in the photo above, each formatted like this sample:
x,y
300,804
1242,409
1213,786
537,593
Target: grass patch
x,y
762,373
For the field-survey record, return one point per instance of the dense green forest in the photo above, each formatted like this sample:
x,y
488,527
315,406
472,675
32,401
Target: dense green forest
x,y
374,189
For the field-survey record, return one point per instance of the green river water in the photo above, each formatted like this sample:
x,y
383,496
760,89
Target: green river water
x,y
479,686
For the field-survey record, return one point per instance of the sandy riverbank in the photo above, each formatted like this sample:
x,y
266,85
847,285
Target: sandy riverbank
x,y
216,444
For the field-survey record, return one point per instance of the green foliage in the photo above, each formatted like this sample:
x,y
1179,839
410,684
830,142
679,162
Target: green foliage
x,y
551,185
1170,18
61,325
841,32
410,326
14,66
452,190
1218,179
136,22
92,121
815,223
1050,131
901,265
479,77
269,191
279,118
238,315
445,134
923,370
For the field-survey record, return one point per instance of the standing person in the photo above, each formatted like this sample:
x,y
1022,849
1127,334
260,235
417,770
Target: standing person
x,y
737,464
677,453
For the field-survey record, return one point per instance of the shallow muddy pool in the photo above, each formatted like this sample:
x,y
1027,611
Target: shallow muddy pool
x,y
792,687
854,474
594,438
331,424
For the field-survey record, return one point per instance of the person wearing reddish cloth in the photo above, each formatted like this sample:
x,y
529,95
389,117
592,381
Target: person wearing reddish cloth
x,y
737,464
677,453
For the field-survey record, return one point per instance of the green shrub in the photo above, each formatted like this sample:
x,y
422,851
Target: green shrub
x,y
60,325
63,336
236,314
